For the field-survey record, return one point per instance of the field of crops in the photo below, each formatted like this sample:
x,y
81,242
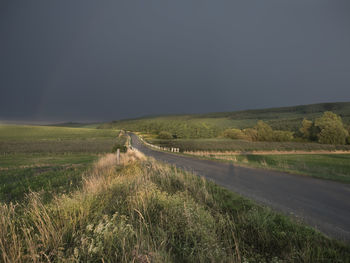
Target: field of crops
x,y
244,146
48,159
47,133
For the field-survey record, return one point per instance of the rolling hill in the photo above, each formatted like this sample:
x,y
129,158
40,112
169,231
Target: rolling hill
x,y
212,124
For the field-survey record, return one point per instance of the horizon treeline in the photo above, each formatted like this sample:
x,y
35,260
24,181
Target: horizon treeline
x,y
327,129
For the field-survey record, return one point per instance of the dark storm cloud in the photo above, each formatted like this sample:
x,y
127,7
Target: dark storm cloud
x,y
102,60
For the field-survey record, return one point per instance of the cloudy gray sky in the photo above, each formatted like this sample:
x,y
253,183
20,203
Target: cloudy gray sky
x,y
103,60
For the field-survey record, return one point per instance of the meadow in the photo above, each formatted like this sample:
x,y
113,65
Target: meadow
x,y
64,198
221,144
48,159
144,211
334,167
198,133
47,133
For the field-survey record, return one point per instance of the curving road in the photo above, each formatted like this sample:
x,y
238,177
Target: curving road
x,y
322,204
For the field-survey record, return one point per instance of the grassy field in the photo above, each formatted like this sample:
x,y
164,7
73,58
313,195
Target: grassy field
x,y
48,159
86,208
334,167
244,146
316,164
47,133
43,139
143,211
213,124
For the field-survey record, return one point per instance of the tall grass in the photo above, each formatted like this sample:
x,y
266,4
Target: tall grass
x,y
144,211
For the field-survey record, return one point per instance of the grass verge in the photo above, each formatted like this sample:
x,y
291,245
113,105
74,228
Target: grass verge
x,y
144,211
335,167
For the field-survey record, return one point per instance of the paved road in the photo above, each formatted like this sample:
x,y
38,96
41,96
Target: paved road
x,y
322,204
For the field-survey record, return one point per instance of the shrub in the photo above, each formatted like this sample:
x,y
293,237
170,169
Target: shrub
x,y
332,130
251,134
165,135
234,134
306,128
282,136
264,131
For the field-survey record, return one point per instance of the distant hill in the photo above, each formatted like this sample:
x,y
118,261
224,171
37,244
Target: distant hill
x,y
212,124
75,125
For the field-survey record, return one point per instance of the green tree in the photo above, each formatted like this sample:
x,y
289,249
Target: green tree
x,y
331,128
251,134
264,131
282,136
305,129
348,138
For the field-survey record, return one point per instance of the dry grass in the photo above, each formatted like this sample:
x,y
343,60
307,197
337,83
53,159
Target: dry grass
x,y
144,211
38,234
10,245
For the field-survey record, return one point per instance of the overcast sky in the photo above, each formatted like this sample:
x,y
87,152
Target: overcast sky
x,y
104,60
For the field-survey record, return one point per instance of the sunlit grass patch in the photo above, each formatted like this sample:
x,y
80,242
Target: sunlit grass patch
x,y
144,211
46,139
326,166
30,133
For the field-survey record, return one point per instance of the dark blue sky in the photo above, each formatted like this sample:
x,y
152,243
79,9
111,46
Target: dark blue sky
x,y
103,60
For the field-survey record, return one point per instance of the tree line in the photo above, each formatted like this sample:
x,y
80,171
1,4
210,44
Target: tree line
x,y
327,129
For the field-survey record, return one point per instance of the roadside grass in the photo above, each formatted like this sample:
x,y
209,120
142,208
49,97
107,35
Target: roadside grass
x,y
144,211
334,167
243,146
